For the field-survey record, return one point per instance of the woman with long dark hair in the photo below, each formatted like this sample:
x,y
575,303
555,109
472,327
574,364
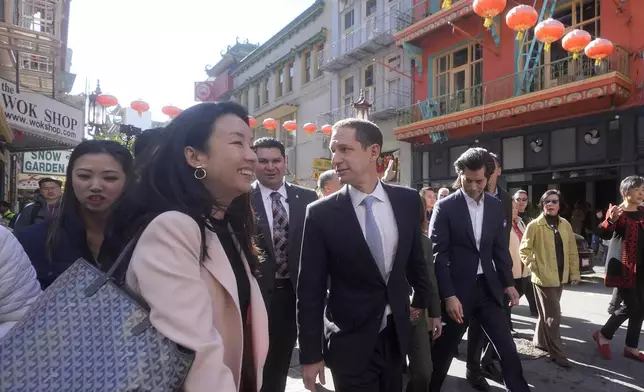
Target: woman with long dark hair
x,y
96,174
195,262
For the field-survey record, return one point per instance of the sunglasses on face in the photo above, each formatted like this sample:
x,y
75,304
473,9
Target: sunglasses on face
x,y
522,199
551,201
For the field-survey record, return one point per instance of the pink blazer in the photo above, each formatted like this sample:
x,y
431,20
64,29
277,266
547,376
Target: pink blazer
x,y
196,305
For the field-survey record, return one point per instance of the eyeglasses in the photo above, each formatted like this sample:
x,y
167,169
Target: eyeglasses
x,y
551,201
522,199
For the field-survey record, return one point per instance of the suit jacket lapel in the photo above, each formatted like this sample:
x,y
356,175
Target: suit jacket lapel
x,y
487,217
403,230
218,265
467,219
262,220
351,225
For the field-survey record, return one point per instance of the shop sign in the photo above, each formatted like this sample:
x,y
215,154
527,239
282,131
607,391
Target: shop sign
x,y
316,174
53,163
42,116
321,164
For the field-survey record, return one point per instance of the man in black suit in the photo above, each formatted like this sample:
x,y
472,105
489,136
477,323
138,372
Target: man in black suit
x,y
473,268
280,208
478,366
365,240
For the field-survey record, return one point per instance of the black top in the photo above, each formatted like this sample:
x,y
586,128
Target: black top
x,y
637,215
553,222
243,293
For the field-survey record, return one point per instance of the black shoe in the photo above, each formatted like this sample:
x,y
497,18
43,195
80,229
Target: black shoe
x,y
477,381
490,371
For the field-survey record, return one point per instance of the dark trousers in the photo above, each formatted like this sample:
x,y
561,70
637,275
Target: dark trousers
x,y
493,319
479,350
384,372
524,287
420,356
633,311
282,334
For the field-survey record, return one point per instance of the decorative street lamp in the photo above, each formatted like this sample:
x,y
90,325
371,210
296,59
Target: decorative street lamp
x,y
95,112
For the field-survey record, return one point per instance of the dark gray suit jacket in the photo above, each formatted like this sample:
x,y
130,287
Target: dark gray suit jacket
x,y
298,198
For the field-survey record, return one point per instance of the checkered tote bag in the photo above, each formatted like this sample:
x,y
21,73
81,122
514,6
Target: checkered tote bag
x,y
86,333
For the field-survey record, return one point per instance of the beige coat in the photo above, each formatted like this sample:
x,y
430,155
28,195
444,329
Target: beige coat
x,y
196,305
515,244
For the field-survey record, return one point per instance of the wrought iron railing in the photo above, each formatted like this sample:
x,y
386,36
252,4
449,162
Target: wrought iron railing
x,y
393,99
417,12
543,77
387,23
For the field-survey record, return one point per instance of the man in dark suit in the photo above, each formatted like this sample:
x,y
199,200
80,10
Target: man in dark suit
x,y
483,366
472,264
364,242
280,209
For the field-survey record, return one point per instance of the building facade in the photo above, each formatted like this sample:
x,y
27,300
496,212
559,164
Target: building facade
x,y
34,70
556,122
362,58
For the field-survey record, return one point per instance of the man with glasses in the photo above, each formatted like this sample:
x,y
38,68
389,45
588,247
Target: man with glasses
x,y
44,208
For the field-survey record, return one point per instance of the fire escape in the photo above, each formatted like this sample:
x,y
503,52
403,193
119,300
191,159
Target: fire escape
x,y
532,57
30,43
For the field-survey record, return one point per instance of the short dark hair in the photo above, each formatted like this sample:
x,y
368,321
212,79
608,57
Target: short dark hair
x,y
45,180
147,138
629,183
325,178
475,158
269,142
367,133
519,191
5,204
424,190
550,192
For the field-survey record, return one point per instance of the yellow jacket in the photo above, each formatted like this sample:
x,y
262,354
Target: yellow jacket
x,y
538,252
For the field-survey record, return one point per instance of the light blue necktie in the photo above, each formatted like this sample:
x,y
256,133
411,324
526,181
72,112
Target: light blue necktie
x,y
372,234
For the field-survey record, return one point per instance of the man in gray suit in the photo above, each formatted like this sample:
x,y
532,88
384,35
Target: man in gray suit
x,y
280,208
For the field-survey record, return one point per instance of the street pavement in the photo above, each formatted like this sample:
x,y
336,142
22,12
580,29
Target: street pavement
x,y
584,311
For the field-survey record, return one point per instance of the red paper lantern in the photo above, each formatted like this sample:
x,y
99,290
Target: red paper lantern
x,y
549,31
327,129
270,124
107,100
290,126
140,106
521,18
171,111
575,42
251,121
598,50
310,128
488,9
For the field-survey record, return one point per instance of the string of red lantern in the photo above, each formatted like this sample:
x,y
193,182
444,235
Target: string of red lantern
x,y
171,111
270,124
290,126
107,100
140,106
327,129
521,18
251,121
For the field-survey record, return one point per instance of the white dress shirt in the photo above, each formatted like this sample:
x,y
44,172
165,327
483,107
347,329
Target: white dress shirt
x,y
476,209
386,220
268,202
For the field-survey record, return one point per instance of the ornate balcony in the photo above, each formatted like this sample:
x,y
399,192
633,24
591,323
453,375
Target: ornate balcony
x,y
366,40
564,88
419,20
386,106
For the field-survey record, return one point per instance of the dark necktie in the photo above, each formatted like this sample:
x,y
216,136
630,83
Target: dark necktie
x,y
280,235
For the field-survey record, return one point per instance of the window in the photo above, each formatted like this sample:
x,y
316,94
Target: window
x,y
307,67
458,76
257,96
348,86
371,7
37,15
368,76
394,62
291,73
280,84
266,90
316,72
348,20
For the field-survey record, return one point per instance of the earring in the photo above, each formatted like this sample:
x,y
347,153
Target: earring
x,y
200,173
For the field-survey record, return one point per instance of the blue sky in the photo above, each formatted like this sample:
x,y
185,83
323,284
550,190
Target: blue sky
x,y
155,50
